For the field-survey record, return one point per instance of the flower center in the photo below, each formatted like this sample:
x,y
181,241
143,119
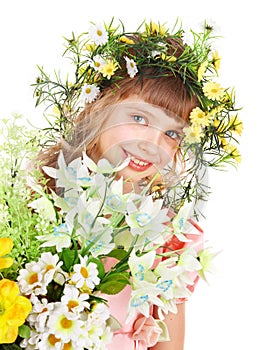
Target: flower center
x,y
88,90
84,272
66,346
49,267
99,32
71,304
33,278
52,339
66,323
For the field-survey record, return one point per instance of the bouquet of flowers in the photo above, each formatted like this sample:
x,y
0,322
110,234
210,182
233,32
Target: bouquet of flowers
x,y
56,278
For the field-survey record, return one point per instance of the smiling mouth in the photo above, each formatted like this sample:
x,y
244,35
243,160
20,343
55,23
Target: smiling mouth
x,y
138,164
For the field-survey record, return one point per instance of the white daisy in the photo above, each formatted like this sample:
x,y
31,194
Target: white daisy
x,y
85,275
65,325
97,62
90,92
31,279
98,34
74,300
131,67
49,264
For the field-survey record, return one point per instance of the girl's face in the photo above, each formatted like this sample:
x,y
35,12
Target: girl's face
x,y
142,132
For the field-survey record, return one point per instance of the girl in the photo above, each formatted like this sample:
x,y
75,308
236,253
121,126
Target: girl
x,y
149,100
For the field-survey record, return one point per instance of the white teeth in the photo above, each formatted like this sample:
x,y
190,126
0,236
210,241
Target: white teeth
x,y
137,161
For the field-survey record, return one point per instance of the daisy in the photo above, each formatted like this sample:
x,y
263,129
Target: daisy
x,y
85,275
65,325
30,279
49,264
90,92
213,90
98,34
131,67
193,134
74,300
198,117
97,62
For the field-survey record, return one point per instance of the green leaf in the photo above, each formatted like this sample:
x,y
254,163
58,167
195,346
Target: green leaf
x,y
69,258
9,347
119,254
114,283
24,331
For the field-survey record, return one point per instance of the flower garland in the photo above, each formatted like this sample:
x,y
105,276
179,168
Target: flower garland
x,y
106,53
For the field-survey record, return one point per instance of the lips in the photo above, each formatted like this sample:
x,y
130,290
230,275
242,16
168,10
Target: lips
x,y
138,164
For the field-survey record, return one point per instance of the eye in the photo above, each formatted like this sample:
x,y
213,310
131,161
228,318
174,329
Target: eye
x,y
140,120
173,134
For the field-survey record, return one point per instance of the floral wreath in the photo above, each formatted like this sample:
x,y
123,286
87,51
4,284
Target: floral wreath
x,y
53,250
106,53
100,56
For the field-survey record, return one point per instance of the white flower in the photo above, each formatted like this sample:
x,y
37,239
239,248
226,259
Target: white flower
x,y
103,166
74,300
41,310
90,92
148,220
44,207
97,62
140,267
49,264
31,279
180,223
100,244
61,238
98,34
85,275
66,175
131,67
141,300
65,325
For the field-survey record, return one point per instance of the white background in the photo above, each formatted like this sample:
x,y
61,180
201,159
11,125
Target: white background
x,y
229,313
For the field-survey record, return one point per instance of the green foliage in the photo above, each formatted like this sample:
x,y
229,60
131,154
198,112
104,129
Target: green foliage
x,y
18,148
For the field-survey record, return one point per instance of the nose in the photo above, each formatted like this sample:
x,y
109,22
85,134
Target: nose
x,y
151,142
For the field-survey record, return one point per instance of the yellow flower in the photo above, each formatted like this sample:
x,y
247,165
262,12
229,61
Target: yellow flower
x,y
154,29
202,70
164,57
109,68
216,61
198,117
213,90
126,40
193,134
232,151
6,245
237,125
90,47
13,310
216,110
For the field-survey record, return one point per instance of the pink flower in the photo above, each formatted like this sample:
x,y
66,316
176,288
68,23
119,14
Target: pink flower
x,y
146,330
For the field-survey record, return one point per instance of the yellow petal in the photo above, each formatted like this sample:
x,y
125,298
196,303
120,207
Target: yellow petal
x,y
8,291
6,244
8,334
5,263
